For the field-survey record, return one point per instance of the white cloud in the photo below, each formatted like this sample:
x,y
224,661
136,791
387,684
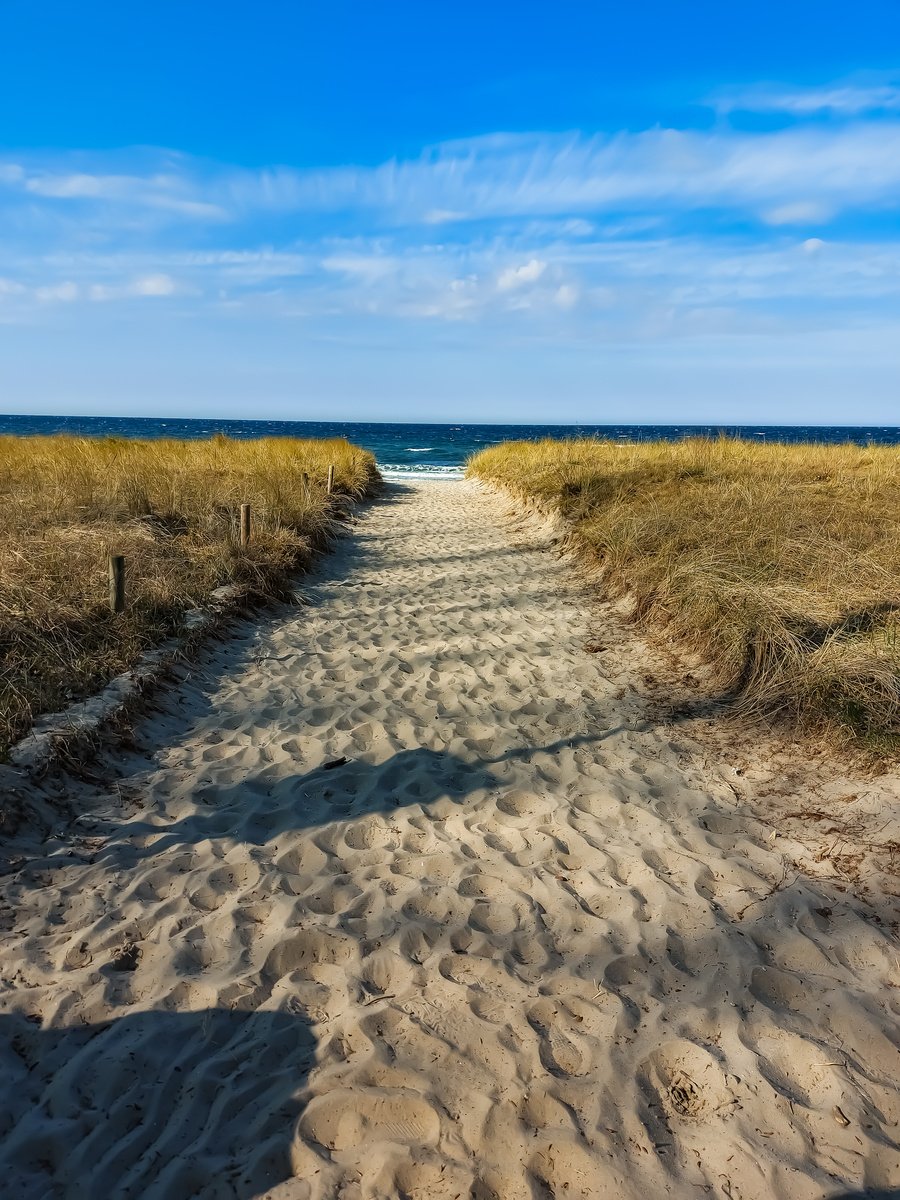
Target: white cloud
x,y
632,180
178,191
58,292
145,285
565,296
442,216
800,212
154,285
668,236
568,177
529,231
616,282
516,277
247,268
849,98
76,187
368,267
659,170
158,284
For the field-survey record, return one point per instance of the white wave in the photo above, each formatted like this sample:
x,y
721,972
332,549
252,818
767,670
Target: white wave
x,y
419,471
419,449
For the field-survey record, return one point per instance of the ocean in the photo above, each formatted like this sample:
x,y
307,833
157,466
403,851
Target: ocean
x,y
431,451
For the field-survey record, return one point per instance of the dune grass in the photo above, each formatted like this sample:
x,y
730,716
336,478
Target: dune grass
x,y
779,565
67,503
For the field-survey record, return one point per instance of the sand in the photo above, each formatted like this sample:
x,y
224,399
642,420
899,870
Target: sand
x,y
401,892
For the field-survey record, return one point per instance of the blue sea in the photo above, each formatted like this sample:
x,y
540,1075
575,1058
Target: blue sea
x,y
432,451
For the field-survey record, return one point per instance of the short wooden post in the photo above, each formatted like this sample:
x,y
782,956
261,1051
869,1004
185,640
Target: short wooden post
x,y
245,525
331,479
117,582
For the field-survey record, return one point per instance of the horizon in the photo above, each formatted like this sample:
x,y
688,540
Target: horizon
x,y
368,215
453,424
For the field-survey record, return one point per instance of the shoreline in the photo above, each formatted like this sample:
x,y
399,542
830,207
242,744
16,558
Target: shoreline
x,y
395,474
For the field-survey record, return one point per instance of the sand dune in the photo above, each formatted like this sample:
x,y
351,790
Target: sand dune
x,y
402,893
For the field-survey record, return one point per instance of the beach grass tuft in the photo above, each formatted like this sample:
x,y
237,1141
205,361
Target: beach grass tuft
x,y
171,507
778,564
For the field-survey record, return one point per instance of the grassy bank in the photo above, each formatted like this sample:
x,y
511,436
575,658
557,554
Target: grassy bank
x,y
171,508
779,565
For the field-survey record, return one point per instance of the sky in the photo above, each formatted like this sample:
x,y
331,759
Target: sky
x,y
451,212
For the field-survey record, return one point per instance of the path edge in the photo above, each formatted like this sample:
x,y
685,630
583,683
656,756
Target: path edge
x,y
56,739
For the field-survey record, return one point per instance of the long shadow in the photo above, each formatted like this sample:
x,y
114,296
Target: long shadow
x,y
866,1194
257,810
154,1104
165,1105
170,1105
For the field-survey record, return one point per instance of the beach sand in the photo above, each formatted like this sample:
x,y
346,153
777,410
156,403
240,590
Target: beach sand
x,y
400,892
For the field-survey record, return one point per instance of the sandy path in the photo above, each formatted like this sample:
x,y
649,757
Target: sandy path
x,y
520,944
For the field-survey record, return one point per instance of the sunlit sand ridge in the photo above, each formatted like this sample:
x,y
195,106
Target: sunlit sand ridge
x,y
402,893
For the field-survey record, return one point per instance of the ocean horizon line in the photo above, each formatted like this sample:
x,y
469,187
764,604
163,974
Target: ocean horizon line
x,y
691,424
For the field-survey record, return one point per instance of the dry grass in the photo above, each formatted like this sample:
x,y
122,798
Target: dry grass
x,y
171,507
779,565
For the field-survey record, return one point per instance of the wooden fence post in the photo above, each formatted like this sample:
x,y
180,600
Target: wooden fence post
x,y
331,479
117,582
245,525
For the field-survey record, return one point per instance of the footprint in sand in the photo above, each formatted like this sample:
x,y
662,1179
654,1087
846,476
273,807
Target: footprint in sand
x,y
361,1118
681,1082
560,1050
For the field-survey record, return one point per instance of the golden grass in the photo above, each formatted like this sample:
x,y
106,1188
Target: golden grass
x,y
779,565
171,508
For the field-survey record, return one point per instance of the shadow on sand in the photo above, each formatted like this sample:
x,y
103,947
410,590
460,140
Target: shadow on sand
x,y
159,1104
866,1194
177,1104
256,810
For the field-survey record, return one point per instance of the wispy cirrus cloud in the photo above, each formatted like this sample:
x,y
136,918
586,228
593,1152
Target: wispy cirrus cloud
x,y
815,172
158,181
540,175
849,98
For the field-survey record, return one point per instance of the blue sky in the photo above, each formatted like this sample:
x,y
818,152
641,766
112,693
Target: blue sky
x,y
528,212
